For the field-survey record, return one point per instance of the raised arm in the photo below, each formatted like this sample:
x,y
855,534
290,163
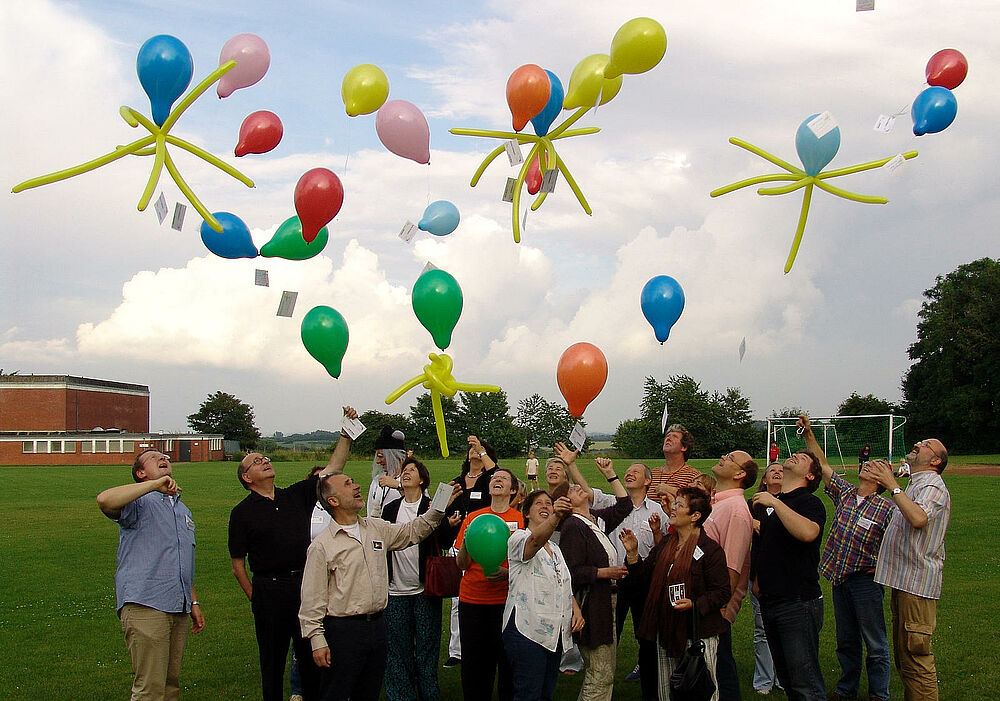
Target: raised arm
x,y
112,501
800,527
540,534
608,470
812,445
881,470
343,448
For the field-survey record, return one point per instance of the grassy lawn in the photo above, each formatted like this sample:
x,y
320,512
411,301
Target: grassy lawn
x,y
60,639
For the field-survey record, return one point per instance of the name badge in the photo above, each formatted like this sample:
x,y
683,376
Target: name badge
x,y
189,521
698,553
317,519
378,545
770,510
865,523
475,495
512,525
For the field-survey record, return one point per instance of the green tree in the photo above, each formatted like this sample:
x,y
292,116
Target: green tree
x,y
374,421
487,415
950,391
223,413
857,405
424,440
544,422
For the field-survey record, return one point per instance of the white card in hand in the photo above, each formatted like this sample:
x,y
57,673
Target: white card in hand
x,y
353,427
578,436
442,496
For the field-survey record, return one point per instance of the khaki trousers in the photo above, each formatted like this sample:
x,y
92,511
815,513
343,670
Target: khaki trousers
x,y
913,621
667,665
155,641
601,661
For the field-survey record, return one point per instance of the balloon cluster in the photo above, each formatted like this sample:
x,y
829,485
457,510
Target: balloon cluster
x,y
536,95
400,125
935,107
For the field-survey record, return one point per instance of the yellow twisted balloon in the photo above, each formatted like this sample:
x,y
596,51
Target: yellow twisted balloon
x,y
156,145
438,379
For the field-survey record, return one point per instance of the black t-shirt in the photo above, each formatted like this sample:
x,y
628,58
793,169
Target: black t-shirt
x,y
473,499
273,535
787,567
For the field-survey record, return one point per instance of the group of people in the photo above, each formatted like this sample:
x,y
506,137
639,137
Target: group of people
x,y
676,549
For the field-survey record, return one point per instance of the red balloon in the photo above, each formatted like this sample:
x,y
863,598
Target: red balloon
x,y
319,195
581,374
947,68
528,90
260,132
534,177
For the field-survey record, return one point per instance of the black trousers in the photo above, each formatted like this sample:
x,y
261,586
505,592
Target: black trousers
x,y
483,656
358,650
275,607
633,598
726,674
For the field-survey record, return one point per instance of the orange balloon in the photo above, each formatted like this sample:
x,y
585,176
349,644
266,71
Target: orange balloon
x,y
528,90
581,374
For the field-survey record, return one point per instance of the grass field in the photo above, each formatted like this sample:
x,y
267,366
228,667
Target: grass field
x,y
60,639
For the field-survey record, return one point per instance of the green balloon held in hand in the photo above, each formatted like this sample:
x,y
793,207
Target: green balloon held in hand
x,y
486,540
437,302
324,334
288,243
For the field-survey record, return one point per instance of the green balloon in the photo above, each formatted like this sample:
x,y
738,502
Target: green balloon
x,y
486,540
437,302
288,243
324,334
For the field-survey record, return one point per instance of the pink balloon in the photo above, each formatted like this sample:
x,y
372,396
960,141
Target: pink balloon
x,y
252,61
403,129
260,132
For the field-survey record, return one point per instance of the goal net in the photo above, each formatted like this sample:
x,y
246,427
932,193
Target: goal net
x,y
843,438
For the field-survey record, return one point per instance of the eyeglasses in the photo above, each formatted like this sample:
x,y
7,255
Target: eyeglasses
x,y
926,444
260,460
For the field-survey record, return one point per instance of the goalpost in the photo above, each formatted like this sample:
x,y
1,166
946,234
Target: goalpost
x,y
842,437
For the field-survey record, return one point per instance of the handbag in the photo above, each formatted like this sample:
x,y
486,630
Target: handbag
x,y
691,680
441,576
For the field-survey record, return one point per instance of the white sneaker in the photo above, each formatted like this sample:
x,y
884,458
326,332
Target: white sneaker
x,y
295,697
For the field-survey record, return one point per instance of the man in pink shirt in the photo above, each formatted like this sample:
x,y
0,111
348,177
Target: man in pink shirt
x,y
731,526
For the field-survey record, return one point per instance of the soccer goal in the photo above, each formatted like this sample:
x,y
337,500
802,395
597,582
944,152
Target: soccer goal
x,y
842,437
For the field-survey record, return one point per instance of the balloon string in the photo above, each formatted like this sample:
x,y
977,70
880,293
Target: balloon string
x,y
347,144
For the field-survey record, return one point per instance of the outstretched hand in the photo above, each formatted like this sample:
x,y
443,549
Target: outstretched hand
x,y
564,453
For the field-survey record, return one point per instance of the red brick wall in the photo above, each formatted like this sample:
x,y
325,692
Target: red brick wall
x,y
10,454
33,409
86,409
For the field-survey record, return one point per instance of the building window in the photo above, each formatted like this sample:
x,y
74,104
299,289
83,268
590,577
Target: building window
x,y
86,446
55,446
170,445
27,446
128,446
115,446
69,446
101,446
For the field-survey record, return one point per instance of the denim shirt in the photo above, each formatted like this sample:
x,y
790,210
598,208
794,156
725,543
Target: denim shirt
x,y
155,554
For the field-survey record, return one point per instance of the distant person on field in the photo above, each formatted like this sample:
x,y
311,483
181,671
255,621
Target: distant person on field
x,y
863,456
154,582
911,561
774,453
675,473
531,470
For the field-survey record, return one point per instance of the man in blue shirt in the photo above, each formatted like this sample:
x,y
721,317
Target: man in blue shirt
x,y
154,582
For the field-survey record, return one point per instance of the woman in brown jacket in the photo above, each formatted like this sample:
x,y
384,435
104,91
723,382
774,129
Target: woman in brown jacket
x,y
687,576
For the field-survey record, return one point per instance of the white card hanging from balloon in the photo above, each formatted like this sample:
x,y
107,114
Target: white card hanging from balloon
x,y
161,208
524,219
408,231
508,190
442,496
822,124
885,123
352,427
287,304
428,266
864,5
513,150
666,417
743,348
178,221
894,164
578,437
260,278
549,180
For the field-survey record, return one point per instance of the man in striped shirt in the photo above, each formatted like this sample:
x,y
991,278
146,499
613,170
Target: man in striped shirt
x,y
675,473
911,562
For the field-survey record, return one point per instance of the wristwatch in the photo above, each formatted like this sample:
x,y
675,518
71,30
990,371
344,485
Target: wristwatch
x,y
896,491
482,454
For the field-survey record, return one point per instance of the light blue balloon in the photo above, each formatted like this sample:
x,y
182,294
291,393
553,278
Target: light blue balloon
x,y
233,241
440,218
165,68
543,120
816,153
662,302
934,110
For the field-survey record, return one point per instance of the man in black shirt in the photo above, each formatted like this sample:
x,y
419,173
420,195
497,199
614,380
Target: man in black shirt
x,y
788,576
270,528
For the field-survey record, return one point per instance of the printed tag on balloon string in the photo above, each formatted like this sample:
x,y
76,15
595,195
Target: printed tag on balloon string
x,y
508,191
663,421
161,208
429,266
894,164
864,5
822,124
408,231
352,427
287,304
524,219
179,211
743,348
884,123
442,496
578,437
513,150
549,180
260,278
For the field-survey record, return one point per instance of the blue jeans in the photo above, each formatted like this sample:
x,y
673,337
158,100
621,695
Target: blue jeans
x,y
857,608
763,672
536,670
792,628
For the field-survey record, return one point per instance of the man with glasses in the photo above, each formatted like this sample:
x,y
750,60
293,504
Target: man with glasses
x,y
270,528
675,473
911,561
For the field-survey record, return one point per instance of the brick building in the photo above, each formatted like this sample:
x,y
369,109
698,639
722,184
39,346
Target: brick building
x,y
67,420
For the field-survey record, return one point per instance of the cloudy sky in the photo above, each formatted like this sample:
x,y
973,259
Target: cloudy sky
x,y
93,287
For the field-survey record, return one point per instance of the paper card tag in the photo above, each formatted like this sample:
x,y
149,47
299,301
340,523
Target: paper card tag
x,y
512,525
770,510
676,592
428,266
865,523
894,164
189,522
864,5
524,219
475,496
442,496
286,307
408,231
378,545
161,208
743,348
179,211
885,123
353,427
317,518
698,553
549,180
822,124
260,278
578,437
663,421
513,150
508,190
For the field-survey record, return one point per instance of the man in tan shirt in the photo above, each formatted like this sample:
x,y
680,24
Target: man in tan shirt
x,y
345,588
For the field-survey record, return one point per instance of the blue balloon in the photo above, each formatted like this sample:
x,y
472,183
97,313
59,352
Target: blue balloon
x,y
662,302
543,120
165,68
815,153
440,218
233,242
934,110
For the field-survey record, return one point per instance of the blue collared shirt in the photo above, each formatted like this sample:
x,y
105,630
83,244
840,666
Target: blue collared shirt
x,y
155,554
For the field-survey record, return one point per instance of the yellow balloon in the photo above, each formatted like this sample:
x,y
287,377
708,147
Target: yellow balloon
x,y
639,44
588,81
365,89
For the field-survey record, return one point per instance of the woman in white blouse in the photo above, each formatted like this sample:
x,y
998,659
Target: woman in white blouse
x,y
541,613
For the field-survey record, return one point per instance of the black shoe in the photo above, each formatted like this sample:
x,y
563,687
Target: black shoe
x,y
452,662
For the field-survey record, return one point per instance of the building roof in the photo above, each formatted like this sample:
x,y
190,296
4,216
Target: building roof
x,y
68,382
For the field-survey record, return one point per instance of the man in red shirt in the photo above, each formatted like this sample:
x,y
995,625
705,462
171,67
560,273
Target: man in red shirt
x,y
774,453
